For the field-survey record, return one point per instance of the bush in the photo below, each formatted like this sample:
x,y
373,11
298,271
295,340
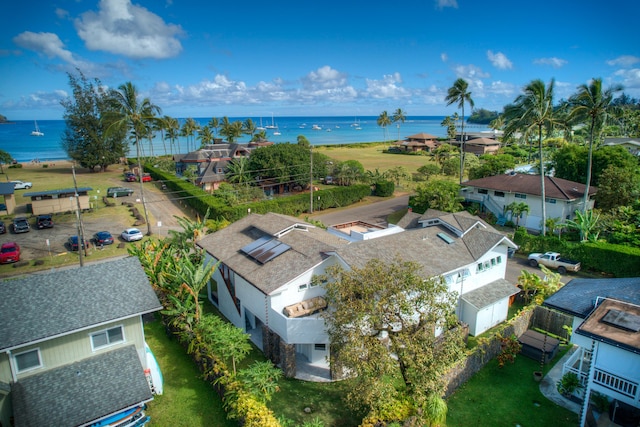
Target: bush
x,y
16,166
384,188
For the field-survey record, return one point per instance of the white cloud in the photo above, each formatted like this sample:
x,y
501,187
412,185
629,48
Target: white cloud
x,y
387,87
50,45
123,28
324,78
624,61
502,89
499,60
444,57
553,61
470,72
441,4
630,79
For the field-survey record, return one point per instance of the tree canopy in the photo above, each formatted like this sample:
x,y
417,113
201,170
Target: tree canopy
x,y
382,324
482,116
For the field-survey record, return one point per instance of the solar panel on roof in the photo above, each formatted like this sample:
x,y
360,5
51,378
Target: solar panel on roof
x,y
277,250
623,320
247,249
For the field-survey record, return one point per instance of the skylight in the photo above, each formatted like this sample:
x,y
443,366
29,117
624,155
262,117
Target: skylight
x,y
446,238
623,320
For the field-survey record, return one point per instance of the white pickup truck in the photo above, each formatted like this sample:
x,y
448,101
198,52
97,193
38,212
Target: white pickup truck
x,y
19,185
553,260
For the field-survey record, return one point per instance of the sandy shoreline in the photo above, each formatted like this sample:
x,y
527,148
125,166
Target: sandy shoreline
x,y
50,163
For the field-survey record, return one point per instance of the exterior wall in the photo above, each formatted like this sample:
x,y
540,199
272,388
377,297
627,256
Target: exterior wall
x,y
618,361
560,209
49,206
490,316
74,347
357,236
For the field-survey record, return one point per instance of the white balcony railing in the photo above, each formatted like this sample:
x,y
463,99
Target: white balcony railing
x,y
614,382
301,330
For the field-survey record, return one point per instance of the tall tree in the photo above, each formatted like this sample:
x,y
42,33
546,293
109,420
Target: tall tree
x,y
189,129
459,94
205,136
592,104
214,124
5,158
399,116
173,132
88,138
249,127
131,113
531,113
382,323
384,121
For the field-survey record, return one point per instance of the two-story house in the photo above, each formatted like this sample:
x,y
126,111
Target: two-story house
x,y
606,325
72,347
263,280
495,193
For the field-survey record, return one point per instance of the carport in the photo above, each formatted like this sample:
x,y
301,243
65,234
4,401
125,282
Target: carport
x,y
6,190
55,201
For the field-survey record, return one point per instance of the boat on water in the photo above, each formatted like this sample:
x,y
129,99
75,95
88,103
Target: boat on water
x,y
277,132
316,127
272,125
36,131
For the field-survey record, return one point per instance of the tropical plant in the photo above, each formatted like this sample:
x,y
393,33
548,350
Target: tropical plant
x,y
399,116
238,171
437,194
172,127
450,124
205,136
189,129
214,124
261,379
586,223
130,113
249,127
533,112
384,121
517,209
459,94
509,349
5,158
592,103
568,384
530,283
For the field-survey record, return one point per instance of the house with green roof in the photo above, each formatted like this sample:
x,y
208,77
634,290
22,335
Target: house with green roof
x,y
72,346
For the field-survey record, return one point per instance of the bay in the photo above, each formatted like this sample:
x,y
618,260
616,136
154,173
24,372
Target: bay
x,y
16,139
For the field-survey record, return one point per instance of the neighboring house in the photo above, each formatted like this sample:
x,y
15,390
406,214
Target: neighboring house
x,y
418,142
266,264
7,190
211,161
495,193
72,346
56,201
480,146
630,144
606,329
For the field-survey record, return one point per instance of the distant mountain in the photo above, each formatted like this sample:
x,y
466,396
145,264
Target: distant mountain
x,y
3,119
482,116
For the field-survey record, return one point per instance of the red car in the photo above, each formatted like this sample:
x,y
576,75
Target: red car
x,y
146,177
10,252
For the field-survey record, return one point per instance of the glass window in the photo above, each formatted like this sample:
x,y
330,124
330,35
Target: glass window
x,y
483,191
107,337
28,360
520,196
499,193
302,287
320,347
499,259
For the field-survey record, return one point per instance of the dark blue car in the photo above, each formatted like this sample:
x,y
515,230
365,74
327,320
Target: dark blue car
x,y
102,238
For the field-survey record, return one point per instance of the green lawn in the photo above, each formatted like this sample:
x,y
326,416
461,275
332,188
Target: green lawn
x,y
507,397
187,401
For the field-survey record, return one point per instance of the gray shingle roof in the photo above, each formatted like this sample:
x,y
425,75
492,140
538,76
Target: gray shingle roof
x,y
7,188
490,294
40,306
80,392
308,247
578,297
423,246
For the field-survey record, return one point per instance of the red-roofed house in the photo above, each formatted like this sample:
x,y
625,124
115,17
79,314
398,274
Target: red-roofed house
x,y
419,142
563,197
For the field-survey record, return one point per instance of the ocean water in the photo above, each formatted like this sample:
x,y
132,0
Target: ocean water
x,y
16,139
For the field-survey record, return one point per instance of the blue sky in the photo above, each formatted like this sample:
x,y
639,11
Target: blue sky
x,y
304,58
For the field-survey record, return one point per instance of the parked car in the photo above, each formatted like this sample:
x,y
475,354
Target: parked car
x,y
146,177
130,177
553,260
119,191
9,252
3,228
102,238
20,185
21,225
44,221
131,234
73,243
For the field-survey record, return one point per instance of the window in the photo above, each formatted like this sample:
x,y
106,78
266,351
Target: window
x,y
550,201
498,193
493,262
302,287
499,259
28,360
320,347
480,267
483,191
107,337
520,196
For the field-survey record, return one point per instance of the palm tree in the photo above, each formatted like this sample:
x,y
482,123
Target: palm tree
x,y
173,131
384,120
517,209
128,112
592,104
532,111
231,130
238,171
249,127
458,94
205,136
214,124
189,129
398,116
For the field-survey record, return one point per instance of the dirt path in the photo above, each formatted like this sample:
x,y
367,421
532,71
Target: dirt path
x,y
163,208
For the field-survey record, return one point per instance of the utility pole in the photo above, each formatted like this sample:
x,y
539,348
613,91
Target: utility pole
x,y
311,177
81,243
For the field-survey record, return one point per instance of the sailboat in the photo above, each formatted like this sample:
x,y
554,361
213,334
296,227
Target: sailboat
x,y
272,125
36,132
260,128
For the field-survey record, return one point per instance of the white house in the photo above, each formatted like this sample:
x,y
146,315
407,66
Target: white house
x,y
263,279
495,193
606,325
